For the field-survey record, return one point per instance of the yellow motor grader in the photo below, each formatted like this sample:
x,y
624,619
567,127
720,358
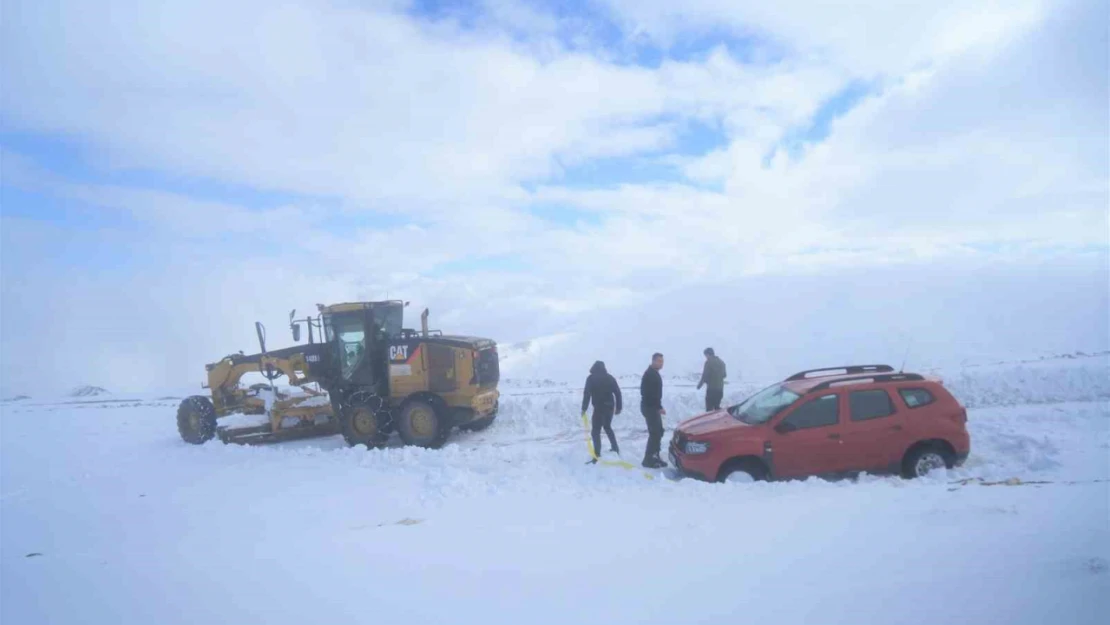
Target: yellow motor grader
x,y
371,377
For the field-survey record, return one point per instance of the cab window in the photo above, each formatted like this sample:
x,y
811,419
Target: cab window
x,y
352,345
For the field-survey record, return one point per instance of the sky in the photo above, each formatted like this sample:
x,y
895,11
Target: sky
x,y
171,172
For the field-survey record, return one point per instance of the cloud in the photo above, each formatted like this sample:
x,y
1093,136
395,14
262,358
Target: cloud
x,y
390,152
318,99
871,37
363,104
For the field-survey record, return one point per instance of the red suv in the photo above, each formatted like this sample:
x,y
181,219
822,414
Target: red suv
x,y
828,422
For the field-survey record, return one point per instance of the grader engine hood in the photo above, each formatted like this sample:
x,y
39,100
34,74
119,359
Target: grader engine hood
x,y
449,362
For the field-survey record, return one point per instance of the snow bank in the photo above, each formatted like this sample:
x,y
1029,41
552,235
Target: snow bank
x,y
555,409
509,526
938,317
1061,380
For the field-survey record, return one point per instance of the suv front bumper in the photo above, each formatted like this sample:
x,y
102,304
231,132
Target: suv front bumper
x,y
684,464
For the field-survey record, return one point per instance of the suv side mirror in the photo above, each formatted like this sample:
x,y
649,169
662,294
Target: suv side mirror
x,y
296,327
785,427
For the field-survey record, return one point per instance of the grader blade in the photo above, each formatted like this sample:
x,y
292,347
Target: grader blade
x,y
264,434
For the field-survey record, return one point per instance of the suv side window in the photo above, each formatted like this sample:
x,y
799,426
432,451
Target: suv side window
x,y
873,404
817,413
916,397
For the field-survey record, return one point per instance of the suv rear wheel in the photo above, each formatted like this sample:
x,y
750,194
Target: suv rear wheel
x,y
924,459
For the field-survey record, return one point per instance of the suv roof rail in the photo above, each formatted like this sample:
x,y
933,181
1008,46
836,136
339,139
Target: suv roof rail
x,y
890,377
849,370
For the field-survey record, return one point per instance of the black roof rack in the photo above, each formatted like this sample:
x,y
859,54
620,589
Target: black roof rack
x,y
848,370
889,377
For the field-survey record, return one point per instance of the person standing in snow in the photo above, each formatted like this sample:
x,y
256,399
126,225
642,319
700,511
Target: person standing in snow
x,y
713,379
602,389
651,406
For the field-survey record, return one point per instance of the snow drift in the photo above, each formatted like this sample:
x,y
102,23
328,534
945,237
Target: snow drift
x,y
108,517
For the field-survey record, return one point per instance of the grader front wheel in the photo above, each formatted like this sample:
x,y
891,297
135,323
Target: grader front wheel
x,y
196,420
422,425
360,426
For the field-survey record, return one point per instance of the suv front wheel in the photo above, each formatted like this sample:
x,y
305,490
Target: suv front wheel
x,y
742,471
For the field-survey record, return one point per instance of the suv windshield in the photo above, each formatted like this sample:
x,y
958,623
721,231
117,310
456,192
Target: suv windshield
x,y
759,408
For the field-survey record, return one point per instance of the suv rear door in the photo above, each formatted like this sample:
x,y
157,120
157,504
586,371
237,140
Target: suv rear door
x,y
807,439
875,434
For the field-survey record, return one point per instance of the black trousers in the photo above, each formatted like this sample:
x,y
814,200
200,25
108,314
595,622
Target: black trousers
x,y
603,420
655,431
713,398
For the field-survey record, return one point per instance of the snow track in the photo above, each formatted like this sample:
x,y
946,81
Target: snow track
x,y
508,525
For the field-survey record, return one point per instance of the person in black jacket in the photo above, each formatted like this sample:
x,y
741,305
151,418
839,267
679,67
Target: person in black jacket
x,y
713,378
651,406
602,389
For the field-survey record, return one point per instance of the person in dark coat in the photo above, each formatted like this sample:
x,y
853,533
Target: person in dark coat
x,y
602,389
651,406
713,379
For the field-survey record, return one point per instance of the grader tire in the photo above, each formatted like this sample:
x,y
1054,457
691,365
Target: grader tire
x,y
360,425
422,425
196,420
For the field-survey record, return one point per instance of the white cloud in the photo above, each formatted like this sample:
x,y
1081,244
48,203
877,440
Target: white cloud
x,y
316,99
336,101
987,130
871,37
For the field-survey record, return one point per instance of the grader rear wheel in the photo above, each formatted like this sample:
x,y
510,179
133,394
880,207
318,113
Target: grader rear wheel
x,y
421,424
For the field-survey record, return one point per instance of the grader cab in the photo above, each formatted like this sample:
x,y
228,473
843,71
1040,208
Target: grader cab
x,y
361,374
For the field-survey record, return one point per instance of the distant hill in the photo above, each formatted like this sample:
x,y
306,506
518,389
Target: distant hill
x,y
88,391
15,398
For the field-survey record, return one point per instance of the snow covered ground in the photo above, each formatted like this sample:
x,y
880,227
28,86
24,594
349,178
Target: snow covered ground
x,y
107,517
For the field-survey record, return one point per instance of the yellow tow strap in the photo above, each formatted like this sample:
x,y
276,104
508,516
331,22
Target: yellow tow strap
x,y
1015,481
612,463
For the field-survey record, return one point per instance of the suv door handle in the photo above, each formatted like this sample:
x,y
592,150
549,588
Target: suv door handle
x,y
834,436
897,428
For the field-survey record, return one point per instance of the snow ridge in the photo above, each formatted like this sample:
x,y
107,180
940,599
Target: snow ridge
x,y
88,391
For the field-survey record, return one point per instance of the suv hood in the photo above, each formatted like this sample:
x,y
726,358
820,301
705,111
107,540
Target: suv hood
x,y
711,423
